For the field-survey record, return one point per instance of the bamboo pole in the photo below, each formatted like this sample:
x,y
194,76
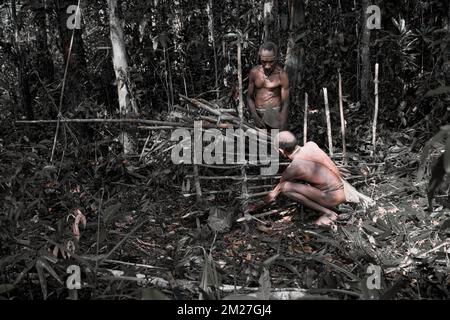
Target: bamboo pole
x,y
327,114
305,121
375,117
341,109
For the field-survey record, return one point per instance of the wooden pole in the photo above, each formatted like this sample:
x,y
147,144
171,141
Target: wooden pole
x,y
244,195
327,114
341,109
305,121
375,117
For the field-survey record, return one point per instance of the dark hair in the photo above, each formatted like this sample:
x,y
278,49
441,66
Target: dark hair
x,y
269,46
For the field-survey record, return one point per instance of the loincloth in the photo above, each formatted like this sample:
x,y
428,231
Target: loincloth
x,y
270,115
352,195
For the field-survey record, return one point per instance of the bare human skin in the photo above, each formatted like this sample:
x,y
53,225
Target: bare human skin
x,y
313,180
268,88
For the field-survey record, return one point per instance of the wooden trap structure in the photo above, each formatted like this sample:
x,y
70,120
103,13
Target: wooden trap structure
x,y
235,180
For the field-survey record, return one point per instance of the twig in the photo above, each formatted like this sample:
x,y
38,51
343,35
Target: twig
x,y
134,264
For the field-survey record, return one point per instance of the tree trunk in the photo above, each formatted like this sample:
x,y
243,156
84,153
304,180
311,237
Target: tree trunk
x,y
270,19
22,66
45,62
295,48
127,106
77,77
365,55
212,40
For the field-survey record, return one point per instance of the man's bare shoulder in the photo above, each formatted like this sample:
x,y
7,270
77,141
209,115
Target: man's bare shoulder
x,y
311,145
254,71
280,70
284,77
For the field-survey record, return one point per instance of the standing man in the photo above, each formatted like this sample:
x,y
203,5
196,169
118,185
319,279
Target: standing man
x,y
313,180
268,90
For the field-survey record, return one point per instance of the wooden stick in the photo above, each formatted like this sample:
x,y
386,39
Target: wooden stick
x,y
208,193
244,194
228,111
254,195
341,109
375,117
157,127
237,178
327,114
157,122
305,121
202,105
198,189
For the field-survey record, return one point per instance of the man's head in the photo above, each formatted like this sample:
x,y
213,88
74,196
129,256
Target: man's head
x,y
268,55
287,142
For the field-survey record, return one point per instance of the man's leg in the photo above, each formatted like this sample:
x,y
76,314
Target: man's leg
x,y
313,198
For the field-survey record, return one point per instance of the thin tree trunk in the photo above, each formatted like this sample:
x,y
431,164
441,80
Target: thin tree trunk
x,y
269,11
365,55
45,62
212,40
24,85
77,76
126,105
295,48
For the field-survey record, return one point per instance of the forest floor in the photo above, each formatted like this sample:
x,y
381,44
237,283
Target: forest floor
x,y
144,240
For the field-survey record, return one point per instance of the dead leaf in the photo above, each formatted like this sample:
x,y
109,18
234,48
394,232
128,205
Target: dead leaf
x,y
265,285
79,218
248,257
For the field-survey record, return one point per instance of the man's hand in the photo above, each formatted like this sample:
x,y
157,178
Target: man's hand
x,y
272,196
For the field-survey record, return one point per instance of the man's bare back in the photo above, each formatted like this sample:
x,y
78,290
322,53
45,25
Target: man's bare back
x,y
311,151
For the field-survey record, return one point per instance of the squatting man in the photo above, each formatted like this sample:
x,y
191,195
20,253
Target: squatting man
x,y
313,180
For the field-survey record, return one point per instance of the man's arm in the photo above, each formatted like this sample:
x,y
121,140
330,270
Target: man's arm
x,y
292,172
284,79
250,100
